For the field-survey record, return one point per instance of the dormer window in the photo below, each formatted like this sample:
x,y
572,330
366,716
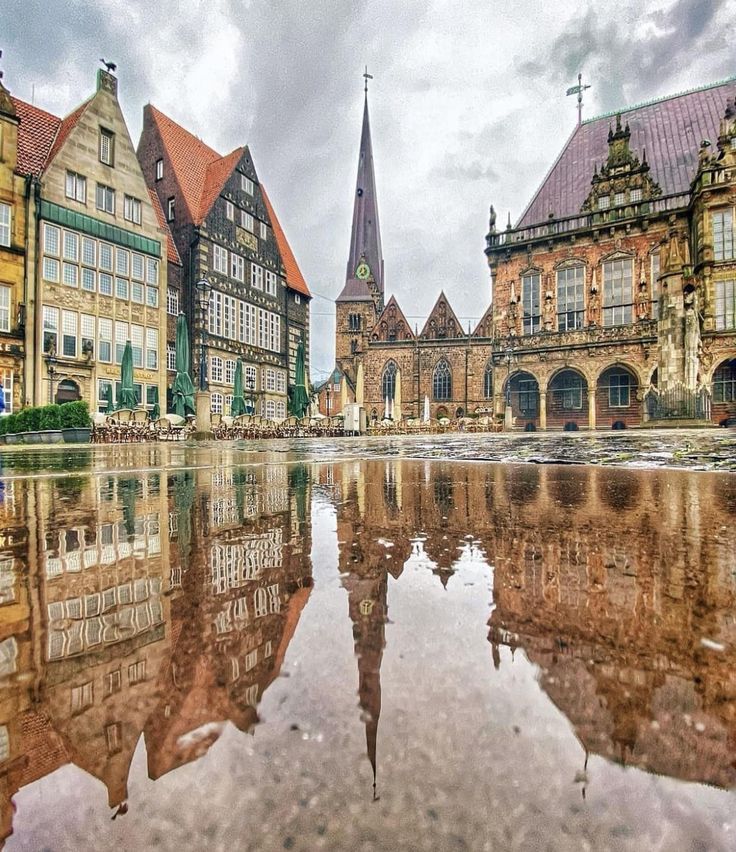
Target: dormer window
x,y
635,195
159,169
604,202
107,146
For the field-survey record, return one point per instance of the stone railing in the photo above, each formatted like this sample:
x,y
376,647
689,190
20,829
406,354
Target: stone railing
x,y
588,221
590,336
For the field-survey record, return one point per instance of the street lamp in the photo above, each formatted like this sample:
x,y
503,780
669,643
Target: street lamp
x,y
51,363
203,288
508,419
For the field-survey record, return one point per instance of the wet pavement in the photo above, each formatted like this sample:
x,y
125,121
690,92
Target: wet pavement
x,y
370,644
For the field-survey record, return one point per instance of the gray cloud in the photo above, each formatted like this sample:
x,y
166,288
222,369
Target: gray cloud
x,y
467,106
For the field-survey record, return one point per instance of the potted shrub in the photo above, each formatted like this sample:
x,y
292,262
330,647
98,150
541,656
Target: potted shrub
x,y
50,424
28,424
76,426
10,424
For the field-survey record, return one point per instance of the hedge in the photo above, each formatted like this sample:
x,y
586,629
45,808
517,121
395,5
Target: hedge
x,y
68,415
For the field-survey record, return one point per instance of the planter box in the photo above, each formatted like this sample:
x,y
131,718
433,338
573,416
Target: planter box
x,y
30,437
51,436
13,438
78,435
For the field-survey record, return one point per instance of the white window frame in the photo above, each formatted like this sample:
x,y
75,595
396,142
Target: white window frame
x,y
229,210
725,292
5,303
6,224
216,369
172,301
618,309
247,185
219,259
159,168
76,186
107,146
132,209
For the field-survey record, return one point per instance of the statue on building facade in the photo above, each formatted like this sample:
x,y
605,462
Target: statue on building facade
x,y
692,339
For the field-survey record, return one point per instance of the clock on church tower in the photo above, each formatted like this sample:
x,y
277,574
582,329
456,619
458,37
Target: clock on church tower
x,y
362,271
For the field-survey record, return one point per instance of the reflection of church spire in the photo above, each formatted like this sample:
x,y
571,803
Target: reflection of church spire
x,y
368,612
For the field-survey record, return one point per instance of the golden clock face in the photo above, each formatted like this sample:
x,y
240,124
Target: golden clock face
x,y
363,271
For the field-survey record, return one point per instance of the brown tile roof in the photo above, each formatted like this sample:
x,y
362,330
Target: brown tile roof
x,y
190,159
36,135
671,129
172,254
294,278
218,171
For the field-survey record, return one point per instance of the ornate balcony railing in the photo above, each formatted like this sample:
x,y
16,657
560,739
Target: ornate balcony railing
x,y
588,221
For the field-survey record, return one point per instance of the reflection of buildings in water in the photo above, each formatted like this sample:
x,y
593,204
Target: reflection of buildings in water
x,y
613,607
126,630
245,583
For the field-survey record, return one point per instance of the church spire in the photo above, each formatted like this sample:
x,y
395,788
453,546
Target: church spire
x,y
365,262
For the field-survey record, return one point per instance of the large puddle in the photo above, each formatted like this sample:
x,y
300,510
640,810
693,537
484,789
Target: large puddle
x,y
318,648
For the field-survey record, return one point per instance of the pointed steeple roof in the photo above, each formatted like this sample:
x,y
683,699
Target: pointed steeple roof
x,y
365,237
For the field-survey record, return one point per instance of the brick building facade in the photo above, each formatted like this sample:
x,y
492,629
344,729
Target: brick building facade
x,y
226,232
613,298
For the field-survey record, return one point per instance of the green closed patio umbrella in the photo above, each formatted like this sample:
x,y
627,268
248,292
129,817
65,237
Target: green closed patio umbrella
x,y
298,397
238,404
182,390
127,398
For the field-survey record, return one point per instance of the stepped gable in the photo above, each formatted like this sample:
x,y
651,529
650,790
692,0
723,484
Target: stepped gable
x,y
485,326
294,278
442,323
669,129
172,254
392,325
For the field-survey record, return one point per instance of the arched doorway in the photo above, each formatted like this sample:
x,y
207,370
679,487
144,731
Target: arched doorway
x,y
616,398
68,391
723,407
567,400
522,392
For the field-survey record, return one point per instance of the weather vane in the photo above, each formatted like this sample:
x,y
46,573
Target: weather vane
x,y
367,77
578,90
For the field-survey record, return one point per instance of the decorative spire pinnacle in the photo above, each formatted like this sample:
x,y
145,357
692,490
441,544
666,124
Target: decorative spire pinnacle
x,y
578,90
366,77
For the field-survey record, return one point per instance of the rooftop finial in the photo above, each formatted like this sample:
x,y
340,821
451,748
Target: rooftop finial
x,y
578,90
367,77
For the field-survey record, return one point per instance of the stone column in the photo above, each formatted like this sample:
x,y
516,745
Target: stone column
x,y
591,408
203,406
543,411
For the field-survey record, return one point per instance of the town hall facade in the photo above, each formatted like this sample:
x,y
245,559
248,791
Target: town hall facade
x,y
613,297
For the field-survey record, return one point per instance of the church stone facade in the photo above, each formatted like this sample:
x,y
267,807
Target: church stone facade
x,y
613,298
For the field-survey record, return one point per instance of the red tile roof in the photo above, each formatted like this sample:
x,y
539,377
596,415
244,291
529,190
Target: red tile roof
x,y
294,278
218,171
36,135
190,159
671,129
172,253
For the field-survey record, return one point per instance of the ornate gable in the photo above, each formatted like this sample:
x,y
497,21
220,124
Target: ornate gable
x,y
622,180
392,325
485,326
442,323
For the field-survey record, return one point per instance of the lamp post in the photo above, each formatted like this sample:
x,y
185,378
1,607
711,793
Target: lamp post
x,y
203,288
51,369
508,419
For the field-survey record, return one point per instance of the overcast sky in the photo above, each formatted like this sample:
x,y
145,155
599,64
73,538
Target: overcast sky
x,y
467,106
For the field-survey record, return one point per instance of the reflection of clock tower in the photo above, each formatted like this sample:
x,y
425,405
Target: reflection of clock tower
x,y
361,300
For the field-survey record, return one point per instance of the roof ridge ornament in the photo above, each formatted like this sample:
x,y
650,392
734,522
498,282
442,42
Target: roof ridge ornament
x,y
578,90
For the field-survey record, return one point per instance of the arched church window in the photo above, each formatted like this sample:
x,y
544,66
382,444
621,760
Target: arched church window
x,y
388,383
442,381
488,381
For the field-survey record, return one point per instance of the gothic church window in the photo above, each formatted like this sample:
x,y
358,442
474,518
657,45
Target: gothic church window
x,y
488,381
354,322
570,298
617,291
531,302
388,382
442,381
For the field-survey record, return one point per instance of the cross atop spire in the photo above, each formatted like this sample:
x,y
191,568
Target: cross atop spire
x,y
367,77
